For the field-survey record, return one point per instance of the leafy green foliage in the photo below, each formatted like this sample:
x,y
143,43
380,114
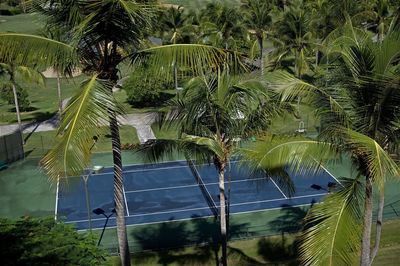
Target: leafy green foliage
x,y
22,95
333,227
146,91
33,241
81,119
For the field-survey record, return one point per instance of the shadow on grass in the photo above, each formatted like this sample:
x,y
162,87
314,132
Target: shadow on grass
x,y
283,249
168,241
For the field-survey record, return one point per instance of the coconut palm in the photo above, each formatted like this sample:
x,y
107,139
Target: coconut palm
x,y
293,37
26,73
358,104
222,25
259,21
212,114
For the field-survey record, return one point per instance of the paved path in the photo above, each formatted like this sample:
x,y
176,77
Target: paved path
x,y
141,121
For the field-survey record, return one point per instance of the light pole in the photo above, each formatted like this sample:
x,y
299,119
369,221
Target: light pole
x,y
99,211
95,170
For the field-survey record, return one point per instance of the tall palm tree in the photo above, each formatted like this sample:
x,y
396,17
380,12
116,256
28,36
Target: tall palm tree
x,y
293,37
28,74
103,31
258,20
359,105
223,25
174,24
211,114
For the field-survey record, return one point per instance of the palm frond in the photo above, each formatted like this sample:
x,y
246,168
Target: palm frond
x,y
159,149
196,57
87,111
296,154
37,51
380,165
332,233
291,88
31,75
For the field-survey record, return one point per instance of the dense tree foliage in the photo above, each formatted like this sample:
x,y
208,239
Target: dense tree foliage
x,y
33,241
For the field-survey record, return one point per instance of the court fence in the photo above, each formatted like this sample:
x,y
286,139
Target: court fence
x,y
11,148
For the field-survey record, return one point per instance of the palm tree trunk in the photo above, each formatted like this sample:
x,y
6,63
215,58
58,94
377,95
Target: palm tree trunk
x,y
379,221
60,107
17,107
119,192
176,76
366,238
221,175
261,45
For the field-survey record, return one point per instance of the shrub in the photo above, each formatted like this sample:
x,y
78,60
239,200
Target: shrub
x,y
145,91
6,94
34,241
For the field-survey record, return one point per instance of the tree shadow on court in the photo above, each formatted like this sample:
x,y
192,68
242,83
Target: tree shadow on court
x,y
284,248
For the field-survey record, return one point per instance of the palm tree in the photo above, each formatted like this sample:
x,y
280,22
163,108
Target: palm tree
x,y
222,24
258,21
26,73
359,107
293,37
211,114
174,23
103,31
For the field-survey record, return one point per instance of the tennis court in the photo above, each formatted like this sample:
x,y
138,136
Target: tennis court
x,y
170,191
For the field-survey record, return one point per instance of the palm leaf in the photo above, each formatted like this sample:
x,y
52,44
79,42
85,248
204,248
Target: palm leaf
x,y
291,88
333,228
196,57
297,154
82,118
160,149
379,163
31,75
38,51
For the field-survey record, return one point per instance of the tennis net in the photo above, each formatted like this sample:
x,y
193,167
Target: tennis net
x,y
211,203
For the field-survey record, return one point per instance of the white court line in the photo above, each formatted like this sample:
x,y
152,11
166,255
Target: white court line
x,y
194,185
56,207
326,170
126,203
188,219
149,169
202,208
278,187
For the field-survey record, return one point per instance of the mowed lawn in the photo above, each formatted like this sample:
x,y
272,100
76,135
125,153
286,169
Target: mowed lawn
x,y
273,250
26,23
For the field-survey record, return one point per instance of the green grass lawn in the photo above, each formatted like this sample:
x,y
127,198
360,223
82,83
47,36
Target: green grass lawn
x,y
273,250
38,143
44,100
26,23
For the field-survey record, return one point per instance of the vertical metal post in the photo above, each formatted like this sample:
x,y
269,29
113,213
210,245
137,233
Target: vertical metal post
x,y
85,179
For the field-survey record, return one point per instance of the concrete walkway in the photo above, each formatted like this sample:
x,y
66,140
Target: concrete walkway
x,y
141,121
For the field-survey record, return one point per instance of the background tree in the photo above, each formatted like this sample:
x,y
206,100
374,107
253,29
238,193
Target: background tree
x,y
293,38
24,72
34,241
258,21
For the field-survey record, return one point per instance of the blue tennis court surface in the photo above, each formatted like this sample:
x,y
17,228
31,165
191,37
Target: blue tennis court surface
x,y
169,191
